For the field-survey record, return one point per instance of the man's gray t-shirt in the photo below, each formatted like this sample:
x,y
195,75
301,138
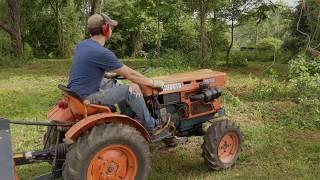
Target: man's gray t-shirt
x,y
90,62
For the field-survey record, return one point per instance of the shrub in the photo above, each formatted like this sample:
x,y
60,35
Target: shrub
x,y
178,60
27,52
268,88
304,77
239,58
269,44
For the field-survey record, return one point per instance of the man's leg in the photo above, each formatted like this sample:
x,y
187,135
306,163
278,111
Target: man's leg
x,y
119,93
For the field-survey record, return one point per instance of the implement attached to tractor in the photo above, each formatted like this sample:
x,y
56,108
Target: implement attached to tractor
x,y
7,166
9,160
90,141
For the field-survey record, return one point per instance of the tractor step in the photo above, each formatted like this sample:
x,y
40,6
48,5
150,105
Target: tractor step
x,y
7,171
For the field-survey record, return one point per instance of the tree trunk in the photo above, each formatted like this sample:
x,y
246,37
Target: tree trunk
x,y
257,37
158,30
59,26
61,46
136,43
13,27
93,7
231,43
203,38
96,6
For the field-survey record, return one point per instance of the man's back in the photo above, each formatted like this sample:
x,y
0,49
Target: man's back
x,y
90,61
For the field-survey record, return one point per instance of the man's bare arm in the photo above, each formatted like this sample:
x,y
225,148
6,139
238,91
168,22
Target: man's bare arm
x,y
134,76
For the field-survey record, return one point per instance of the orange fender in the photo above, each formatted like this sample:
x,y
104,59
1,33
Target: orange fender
x,y
76,130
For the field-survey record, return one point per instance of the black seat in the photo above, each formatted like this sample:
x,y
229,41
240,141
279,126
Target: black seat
x,y
70,92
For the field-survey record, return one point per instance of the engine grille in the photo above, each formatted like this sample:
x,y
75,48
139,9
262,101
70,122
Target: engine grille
x,y
200,107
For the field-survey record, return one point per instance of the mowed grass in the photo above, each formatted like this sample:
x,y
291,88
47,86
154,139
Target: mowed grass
x,y
281,136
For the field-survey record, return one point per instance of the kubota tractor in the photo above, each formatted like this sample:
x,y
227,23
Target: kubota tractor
x,y
90,141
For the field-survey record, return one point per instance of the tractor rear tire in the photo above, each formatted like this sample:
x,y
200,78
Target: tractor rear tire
x,y
114,150
222,144
50,140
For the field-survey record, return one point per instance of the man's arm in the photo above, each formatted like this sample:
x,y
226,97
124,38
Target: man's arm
x,y
134,76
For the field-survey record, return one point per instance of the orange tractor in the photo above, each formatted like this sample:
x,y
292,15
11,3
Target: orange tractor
x,y
89,141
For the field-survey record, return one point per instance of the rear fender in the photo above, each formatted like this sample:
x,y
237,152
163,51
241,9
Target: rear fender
x,y
87,123
60,114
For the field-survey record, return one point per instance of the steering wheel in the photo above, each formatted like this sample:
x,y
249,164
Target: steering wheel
x,y
108,75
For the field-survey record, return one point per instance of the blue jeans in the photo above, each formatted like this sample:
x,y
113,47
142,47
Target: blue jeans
x,y
111,92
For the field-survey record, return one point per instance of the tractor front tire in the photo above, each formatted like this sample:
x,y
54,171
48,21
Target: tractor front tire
x,y
108,151
222,144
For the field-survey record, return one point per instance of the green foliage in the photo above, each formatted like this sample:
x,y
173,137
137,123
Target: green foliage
x,y
40,29
176,60
27,52
270,43
181,34
218,39
306,24
238,58
270,88
304,77
5,44
7,58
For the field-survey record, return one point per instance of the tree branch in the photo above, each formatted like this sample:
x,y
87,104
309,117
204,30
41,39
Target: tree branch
x,y
53,8
5,27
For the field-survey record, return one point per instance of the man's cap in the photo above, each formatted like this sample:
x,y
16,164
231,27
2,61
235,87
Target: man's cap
x,y
97,20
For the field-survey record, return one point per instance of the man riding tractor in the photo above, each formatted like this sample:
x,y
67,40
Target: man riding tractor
x,y
90,62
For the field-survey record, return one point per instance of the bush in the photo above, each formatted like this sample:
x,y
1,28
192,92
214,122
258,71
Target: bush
x,y
270,44
304,78
27,52
178,60
239,58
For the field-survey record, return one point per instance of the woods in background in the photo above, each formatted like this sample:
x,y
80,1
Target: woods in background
x,y
207,31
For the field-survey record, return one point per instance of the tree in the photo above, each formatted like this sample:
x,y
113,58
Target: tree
x,y
134,22
56,6
308,15
260,14
233,13
11,25
203,8
96,6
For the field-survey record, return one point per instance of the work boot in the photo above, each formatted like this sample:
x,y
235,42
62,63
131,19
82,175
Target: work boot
x,y
174,141
161,124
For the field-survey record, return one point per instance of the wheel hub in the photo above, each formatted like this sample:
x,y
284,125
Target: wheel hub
x,y
228,147
112,168
113,162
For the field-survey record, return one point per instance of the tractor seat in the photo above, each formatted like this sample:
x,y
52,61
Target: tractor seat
x,y
70,92
75,95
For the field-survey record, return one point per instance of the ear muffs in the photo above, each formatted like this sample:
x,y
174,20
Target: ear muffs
x,y
105,29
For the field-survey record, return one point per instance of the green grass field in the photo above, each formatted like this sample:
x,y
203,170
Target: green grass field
x,y
281,135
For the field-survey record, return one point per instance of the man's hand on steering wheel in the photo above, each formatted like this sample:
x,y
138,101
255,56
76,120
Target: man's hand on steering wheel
x,y
158,84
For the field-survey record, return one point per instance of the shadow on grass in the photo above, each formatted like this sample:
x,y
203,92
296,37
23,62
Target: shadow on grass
x,y
178,165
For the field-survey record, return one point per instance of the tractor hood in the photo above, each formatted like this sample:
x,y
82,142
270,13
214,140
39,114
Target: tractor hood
x,y
189,81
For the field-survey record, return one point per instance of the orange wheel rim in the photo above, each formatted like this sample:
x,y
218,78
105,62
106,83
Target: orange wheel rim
x,y
228,147
112,163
